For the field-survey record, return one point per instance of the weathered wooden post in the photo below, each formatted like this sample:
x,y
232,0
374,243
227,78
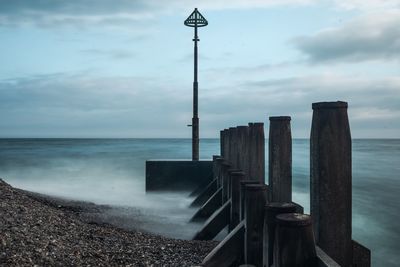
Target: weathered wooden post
x,y
331,180
257,152
221,143
255,200
233,146
229,184
280,159
294,241
215,166
226,144
225,176
243,149
220,162
271,211
236,178
242,195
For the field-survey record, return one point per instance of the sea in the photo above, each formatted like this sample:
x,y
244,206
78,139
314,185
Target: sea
x,y
112,172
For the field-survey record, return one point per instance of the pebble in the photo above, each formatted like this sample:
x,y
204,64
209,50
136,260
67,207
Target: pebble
x,y
42,232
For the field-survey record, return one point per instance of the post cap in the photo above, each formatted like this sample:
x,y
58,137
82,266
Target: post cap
x,y
337,104
280,118
293,219
256,124
242,127
278,206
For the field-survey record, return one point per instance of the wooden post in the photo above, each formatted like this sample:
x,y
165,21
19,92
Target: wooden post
x,y
220,162
280,159
331,180
236,178
233,147
221,143
226,144
271,211
225,176
294,241
229,184
243,149
215,166
242,195
257,152
254,221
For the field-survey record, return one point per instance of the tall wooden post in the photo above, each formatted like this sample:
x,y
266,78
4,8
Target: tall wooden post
x,y
280,159
255,200
232,146
294,241
243,184
331,180
256,152
236,178
226,144
271,211
243,149
221,143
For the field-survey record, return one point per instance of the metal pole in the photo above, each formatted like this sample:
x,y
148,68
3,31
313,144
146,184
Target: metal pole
x,y
195,119
195,20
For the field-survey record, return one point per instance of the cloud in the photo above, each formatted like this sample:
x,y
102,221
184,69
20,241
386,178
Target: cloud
x,y
109,54
128,13
372,5
80,105
369,37
374,105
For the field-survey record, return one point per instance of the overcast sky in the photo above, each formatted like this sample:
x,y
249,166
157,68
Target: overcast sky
x,y
107,68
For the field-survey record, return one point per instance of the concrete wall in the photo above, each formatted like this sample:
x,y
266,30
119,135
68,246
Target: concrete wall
x,y
165,175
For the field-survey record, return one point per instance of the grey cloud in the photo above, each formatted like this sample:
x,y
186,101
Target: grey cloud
x,y
71,7
76,105
110,54
82,105
78,13
370,37
374,108
50,13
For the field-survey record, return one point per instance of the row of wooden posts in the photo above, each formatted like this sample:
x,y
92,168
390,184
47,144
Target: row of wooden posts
x,y
265,228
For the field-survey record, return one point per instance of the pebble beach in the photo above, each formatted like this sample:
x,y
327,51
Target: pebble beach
x,y
39,230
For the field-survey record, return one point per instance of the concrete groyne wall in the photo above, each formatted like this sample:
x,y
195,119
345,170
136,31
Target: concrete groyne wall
x,y
164,175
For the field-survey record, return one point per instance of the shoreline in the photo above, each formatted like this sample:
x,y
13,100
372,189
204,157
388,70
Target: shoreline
x,y
43,230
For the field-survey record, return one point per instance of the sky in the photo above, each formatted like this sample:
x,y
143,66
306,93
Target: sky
x,y
107,68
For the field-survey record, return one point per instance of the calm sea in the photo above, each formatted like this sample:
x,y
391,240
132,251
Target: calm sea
x,y
111,171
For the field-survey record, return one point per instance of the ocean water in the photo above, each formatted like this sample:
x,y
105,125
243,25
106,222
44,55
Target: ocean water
x,y
111,171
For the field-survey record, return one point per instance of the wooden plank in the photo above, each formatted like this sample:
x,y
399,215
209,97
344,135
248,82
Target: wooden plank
x,y
207,192
215,223
208,208
229,251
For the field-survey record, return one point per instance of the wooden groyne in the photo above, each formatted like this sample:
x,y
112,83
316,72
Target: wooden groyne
x,y
265,228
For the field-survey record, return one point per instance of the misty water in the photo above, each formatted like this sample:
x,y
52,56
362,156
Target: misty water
x,y
111,171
